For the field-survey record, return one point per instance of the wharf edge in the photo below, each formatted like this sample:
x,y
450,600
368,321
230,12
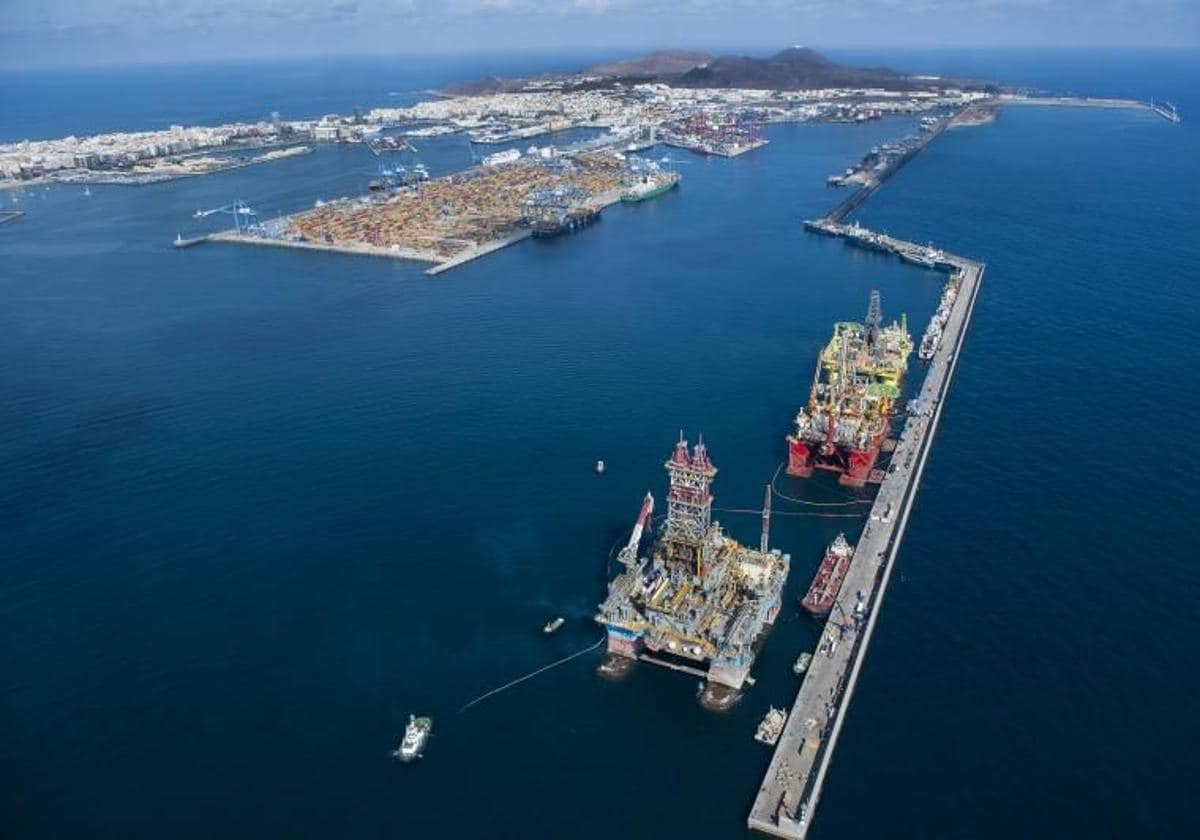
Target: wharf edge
x,y
788,795
792,784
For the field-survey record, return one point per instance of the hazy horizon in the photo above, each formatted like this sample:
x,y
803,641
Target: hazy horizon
x,y
76,33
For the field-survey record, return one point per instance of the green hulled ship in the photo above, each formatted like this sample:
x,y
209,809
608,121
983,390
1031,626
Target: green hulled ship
x,y
651,185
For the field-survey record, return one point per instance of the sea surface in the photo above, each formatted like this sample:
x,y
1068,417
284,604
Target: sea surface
x,y
258,505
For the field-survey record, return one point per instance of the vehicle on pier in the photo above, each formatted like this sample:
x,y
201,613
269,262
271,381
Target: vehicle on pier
x,y
416,734
823,591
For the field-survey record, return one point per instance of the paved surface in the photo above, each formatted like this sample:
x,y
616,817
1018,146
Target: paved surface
x,y
789,792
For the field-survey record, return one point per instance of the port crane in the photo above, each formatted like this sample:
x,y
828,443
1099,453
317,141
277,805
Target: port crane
x,y
244,217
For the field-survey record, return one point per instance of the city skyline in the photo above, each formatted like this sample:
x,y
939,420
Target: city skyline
x,y
75,33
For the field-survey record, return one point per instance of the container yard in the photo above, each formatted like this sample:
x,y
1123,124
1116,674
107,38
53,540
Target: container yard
x,y
450,220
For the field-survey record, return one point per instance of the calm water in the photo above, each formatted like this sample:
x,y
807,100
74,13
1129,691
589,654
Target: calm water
x,y
258,505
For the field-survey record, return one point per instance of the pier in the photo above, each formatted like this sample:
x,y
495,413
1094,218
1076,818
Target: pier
x,y
792,786
1168,112
876,181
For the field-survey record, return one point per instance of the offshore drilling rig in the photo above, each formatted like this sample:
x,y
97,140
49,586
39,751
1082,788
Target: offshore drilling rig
x,y
700,598
852,400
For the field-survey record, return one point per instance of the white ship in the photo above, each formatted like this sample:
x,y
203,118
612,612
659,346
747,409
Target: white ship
x,y
415,735
771,726
801,664
500,158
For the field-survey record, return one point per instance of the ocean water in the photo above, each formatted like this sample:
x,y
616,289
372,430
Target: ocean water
x,y
258,505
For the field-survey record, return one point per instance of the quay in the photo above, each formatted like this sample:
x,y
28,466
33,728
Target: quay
x,y
852,202
441,262
877,180
791,788
792,785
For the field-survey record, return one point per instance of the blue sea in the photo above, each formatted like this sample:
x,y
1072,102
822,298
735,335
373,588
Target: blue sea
x,y
258,505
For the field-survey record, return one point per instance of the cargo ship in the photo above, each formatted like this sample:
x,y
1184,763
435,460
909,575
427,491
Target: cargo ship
x,y
701,601
826,584
853,397
650,185
572,220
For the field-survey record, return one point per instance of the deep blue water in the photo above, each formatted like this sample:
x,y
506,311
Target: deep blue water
x,y
257,505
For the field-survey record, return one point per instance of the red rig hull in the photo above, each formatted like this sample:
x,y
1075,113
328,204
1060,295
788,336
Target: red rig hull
x,y
853,466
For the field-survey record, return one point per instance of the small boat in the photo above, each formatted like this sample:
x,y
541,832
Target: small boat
x,y
415,735
802,664
771,726
87,191
599,466
552,626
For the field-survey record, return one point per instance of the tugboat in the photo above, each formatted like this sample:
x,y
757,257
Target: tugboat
x,y
828,580
551,626
771,726
415,735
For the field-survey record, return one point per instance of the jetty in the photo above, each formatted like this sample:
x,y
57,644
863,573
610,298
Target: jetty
x,y
1167,111
791,788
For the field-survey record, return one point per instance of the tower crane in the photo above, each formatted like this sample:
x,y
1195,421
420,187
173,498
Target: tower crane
x,y
244,217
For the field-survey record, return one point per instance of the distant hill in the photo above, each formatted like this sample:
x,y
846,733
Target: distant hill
x,y
796,68
660,63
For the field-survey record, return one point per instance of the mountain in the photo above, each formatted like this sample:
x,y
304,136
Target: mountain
x,y
660,63
796,68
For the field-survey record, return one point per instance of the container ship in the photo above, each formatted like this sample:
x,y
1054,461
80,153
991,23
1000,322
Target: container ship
x,y
828,581
549,226
700,602
852,400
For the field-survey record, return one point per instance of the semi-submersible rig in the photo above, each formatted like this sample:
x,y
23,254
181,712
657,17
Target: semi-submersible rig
x,y
853,398
700,598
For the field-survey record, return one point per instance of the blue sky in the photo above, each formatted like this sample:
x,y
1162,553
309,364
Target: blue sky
x,y
55,32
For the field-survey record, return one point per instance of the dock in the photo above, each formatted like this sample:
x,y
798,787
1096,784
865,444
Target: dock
x,y
792,786
441,262
864,192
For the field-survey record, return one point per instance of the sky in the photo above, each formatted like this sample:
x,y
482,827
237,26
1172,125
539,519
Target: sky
x,y
45,33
